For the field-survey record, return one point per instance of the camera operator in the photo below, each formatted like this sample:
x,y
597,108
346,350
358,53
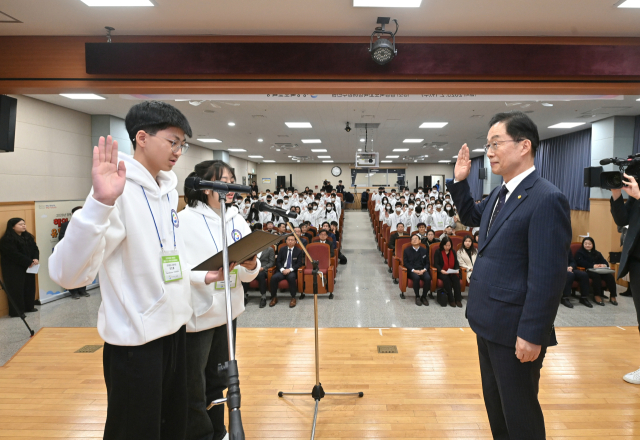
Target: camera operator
x,y
628,213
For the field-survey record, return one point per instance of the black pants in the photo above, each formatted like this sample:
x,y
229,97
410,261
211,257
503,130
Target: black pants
x,y
82,291
425,277
451,286
291,278
634,285
510,390
597,283
147,389
205,350
22,288
262,282
582,278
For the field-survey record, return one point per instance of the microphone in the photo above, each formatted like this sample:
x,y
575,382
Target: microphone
x,y
263,206
606,161
198,184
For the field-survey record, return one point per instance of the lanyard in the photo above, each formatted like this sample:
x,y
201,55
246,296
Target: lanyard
x,y
154,220
233,226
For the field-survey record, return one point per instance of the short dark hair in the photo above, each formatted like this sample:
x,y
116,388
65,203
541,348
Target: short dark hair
x,y
519,126
421,224
152,117
400,223
257,227
75,209
207,170
323,231
281,224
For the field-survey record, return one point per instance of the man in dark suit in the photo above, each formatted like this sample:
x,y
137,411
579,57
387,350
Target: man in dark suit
x,y
80,291
340,187
400,232
416,260
290,259
519,275
323,236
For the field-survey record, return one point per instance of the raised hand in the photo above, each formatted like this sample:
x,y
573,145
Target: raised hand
x,y
463,164
107,174
630,187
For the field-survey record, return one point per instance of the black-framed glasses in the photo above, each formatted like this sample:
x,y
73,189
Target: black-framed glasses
x,y
175,146
493,146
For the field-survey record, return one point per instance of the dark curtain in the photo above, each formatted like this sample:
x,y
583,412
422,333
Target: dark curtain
x,y
562,160
636,136
475,183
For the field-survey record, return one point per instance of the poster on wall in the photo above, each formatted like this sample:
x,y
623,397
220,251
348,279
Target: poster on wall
x,y
50,216
266,181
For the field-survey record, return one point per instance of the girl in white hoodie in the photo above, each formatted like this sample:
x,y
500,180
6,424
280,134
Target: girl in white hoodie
x,y
207,344
129,232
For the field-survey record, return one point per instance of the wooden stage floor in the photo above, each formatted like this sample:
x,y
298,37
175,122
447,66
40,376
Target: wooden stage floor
x,y
430,389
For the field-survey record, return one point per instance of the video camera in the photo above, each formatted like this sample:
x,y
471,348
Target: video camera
x,y
614,179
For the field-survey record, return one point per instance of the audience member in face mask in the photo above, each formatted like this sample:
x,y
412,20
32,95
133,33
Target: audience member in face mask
x,y
440,219
397,217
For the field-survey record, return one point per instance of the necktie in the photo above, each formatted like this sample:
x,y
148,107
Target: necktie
x,y
502,197
288,266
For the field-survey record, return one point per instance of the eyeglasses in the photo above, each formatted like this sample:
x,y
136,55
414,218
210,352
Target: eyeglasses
x,y
493,146
175,146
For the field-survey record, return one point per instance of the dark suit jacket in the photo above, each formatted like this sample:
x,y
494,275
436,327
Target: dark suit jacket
x,y
417,260
627,213
297,258
438,262
520,272
572,261
394,237
340,189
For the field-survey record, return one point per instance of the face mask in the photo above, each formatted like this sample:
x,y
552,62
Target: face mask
x,y
398,210
279,205
289,194
448,208
388,206
333,199
411,206
438,206
247,205
419,192
328,209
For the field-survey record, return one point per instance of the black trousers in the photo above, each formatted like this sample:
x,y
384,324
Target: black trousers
x,y
291,278
634,285
597,283
451,286
582,278
79,292
510,390
22,288
416,282
262,282
205,350
147,389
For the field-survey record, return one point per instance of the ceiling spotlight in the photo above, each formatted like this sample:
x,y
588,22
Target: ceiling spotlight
x,y
109,29
547,104
231,124
347,128
383,50
259,140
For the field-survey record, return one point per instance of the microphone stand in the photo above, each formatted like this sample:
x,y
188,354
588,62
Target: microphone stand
x,y
22,315
230,368
317,392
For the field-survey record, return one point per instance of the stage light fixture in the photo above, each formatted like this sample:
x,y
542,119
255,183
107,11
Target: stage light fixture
x,y
383,50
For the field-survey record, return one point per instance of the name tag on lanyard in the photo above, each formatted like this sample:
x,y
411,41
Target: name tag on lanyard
x,y
233,281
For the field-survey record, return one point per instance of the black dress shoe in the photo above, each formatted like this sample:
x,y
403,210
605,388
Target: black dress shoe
x,y
459,304
31,311
301,295
418,301
626,293
613,301
600,303
586,302
565,302
85,293
452,304
263,302
424,299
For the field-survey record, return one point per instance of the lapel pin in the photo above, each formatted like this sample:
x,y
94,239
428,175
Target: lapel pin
x,y
519,197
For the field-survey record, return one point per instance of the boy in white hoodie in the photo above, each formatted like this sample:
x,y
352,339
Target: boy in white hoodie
x,y
129,232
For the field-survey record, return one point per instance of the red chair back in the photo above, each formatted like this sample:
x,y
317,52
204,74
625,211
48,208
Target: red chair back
x,y
435,247
438,233
405,246
575,246
455,241
463,234
400,242
319,252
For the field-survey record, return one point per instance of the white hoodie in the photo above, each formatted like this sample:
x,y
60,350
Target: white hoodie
x,y
121,243
209,303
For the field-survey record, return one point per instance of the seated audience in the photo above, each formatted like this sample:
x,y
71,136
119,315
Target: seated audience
x,y
267,260
467,256
589,258
446,259
400,232
448,232
573,274
416,260
431,238
323,236
290,259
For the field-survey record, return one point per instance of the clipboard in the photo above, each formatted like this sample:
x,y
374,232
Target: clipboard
x,y
243,249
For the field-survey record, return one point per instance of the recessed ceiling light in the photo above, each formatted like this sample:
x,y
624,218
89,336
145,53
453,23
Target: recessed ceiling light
x,y
210,140
266,160
311,141
392,157
255,157
630,4
439,149
359,149
400,149
231,124
444,161
547,104
327,161
237,150
567,125
81,96
415,161
386,161
260,140
324,157
433,124
298,124
412,141
426,155
362,140
455,157
478,150
117,2
318,150
386,3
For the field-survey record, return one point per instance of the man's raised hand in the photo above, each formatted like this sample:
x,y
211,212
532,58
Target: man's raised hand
x,y
463,164
107,174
